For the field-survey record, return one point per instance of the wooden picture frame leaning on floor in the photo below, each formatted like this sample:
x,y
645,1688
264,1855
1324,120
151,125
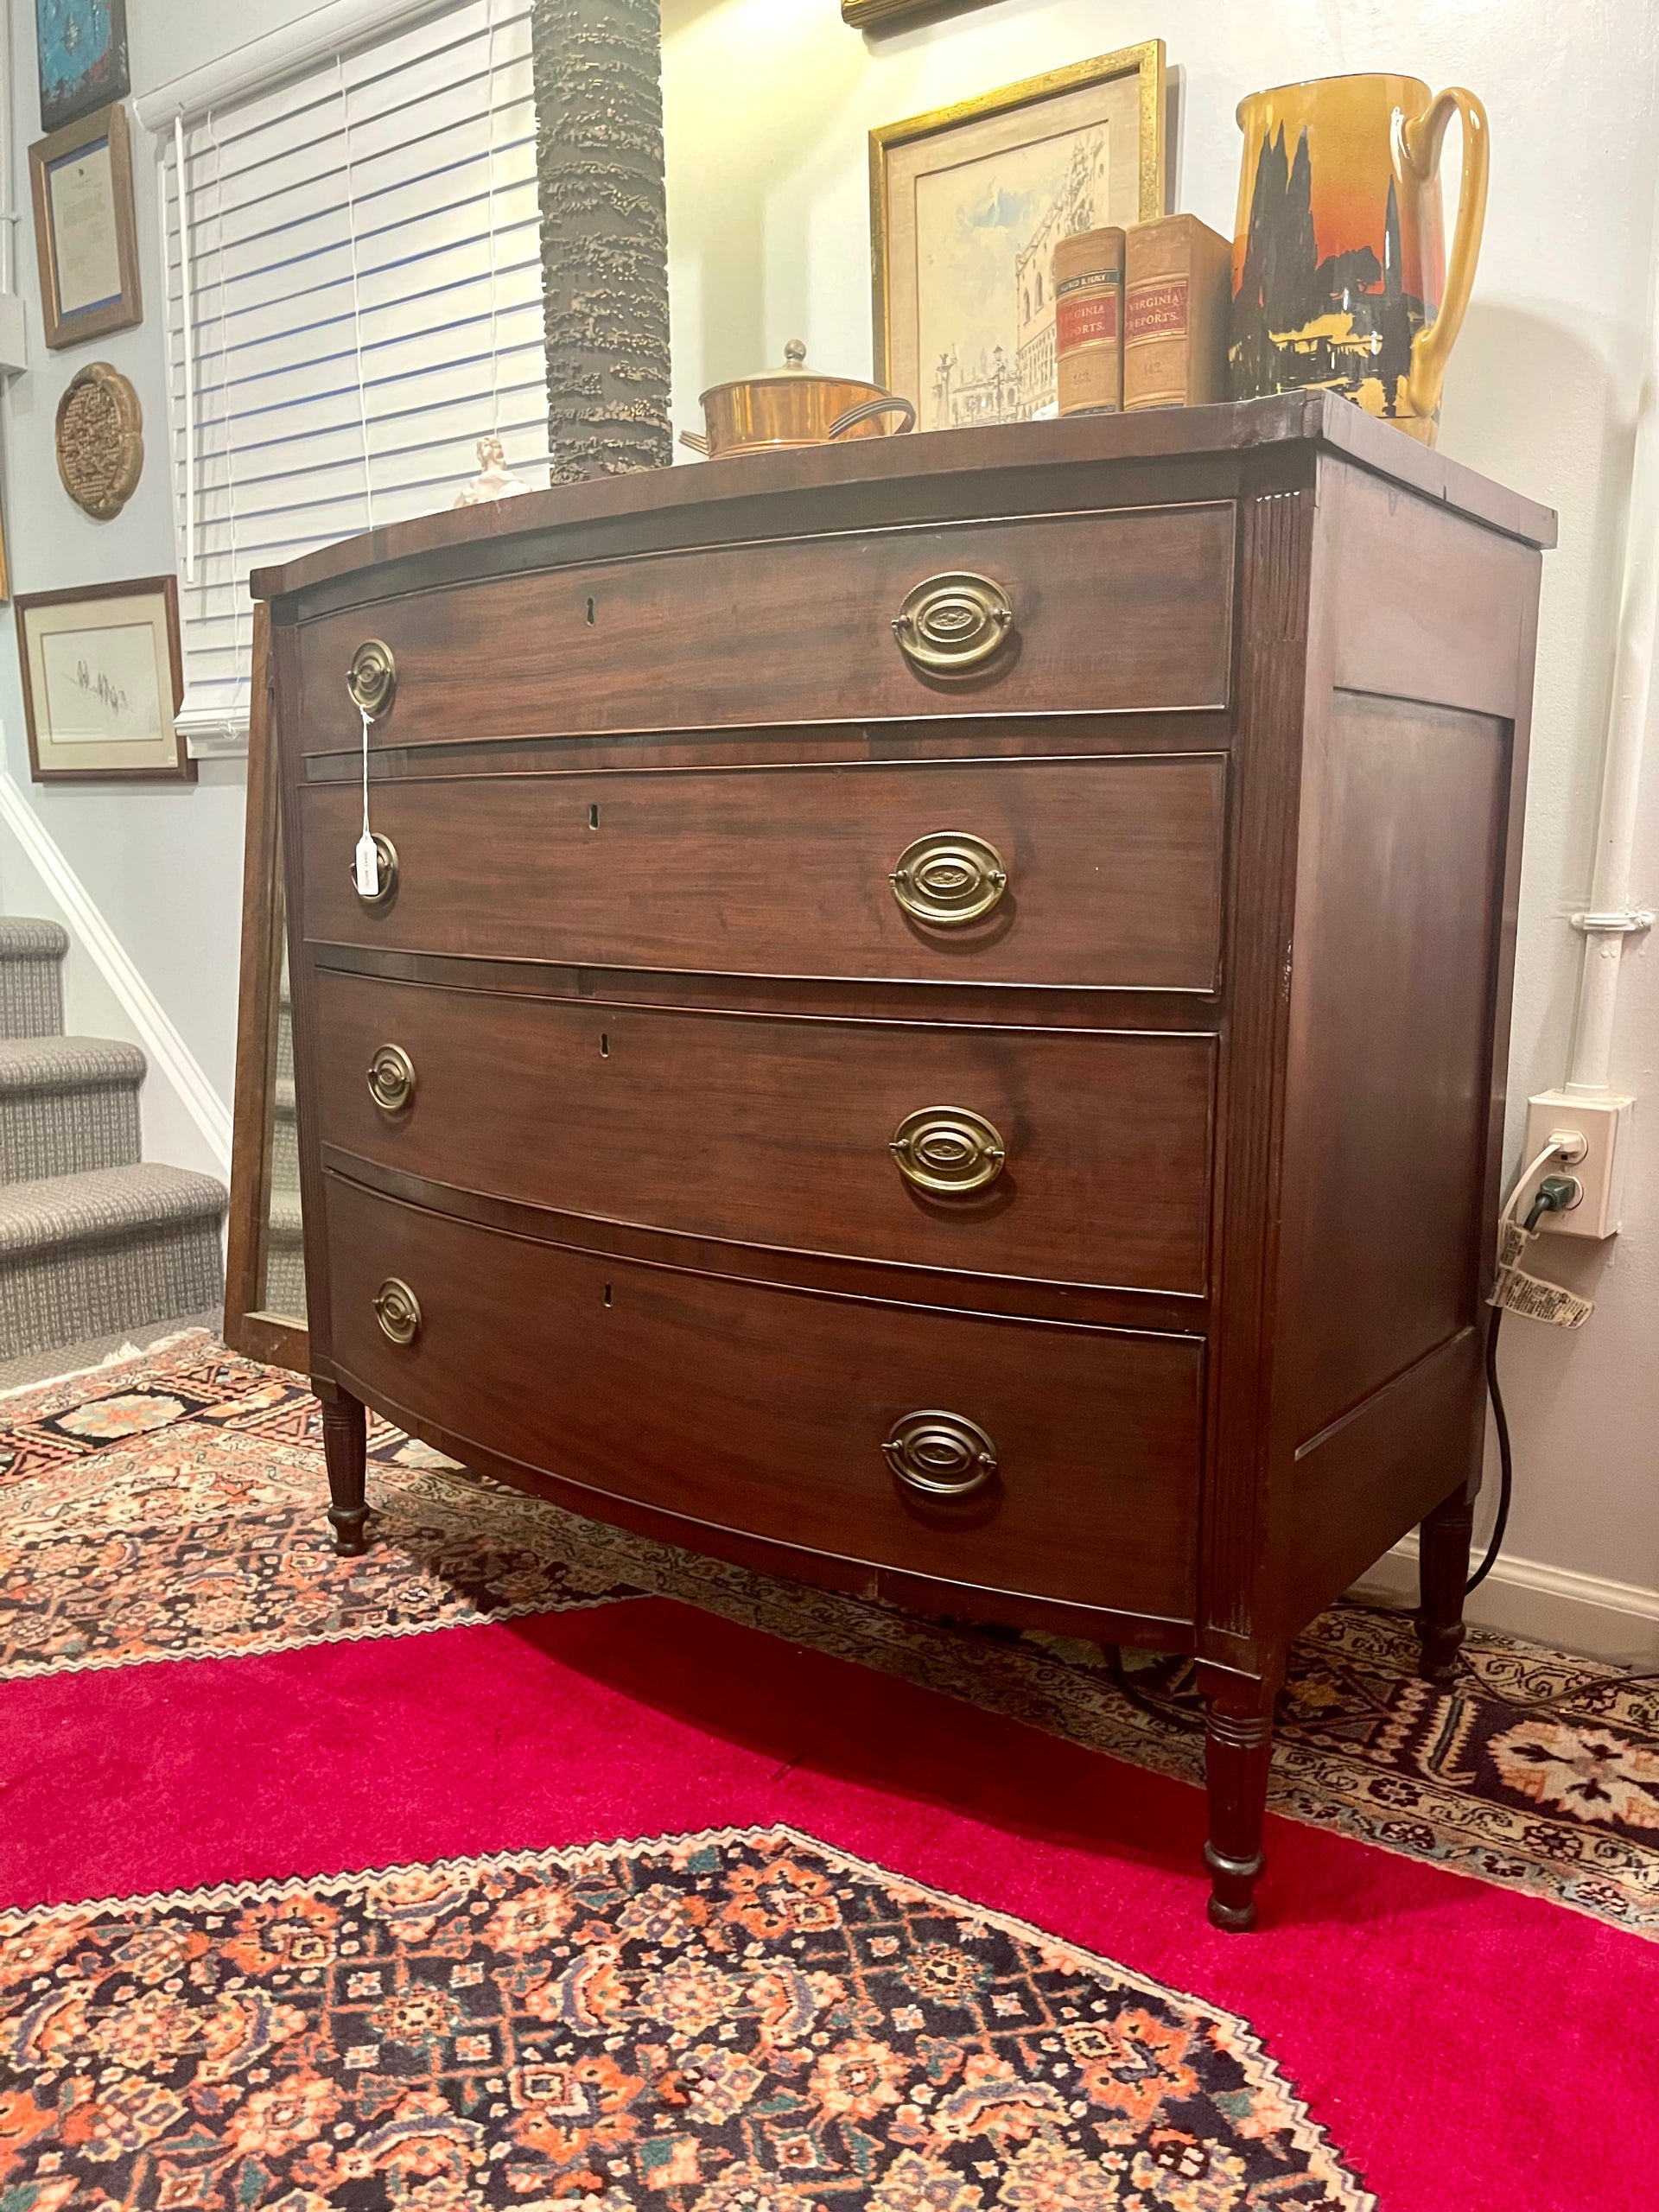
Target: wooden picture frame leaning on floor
x,y
252,1326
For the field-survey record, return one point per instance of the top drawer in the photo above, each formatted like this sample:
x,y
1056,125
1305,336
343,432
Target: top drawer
x,y
1121,610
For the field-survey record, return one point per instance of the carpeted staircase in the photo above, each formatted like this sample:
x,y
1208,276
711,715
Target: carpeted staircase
x,y
94,1242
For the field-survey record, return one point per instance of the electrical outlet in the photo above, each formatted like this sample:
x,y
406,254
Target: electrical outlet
x,y
1601,1128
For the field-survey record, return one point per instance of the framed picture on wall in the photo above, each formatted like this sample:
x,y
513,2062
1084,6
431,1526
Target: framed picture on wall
x,y
84,233
81,48
103,680
966,207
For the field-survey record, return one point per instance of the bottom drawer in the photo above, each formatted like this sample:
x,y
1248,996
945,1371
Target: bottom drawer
x,y
782,1414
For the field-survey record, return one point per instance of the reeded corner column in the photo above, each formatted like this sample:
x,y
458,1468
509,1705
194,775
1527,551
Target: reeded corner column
x,y
599,164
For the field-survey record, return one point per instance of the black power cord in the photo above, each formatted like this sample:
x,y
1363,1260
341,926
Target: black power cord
x,y
1555,1193
1506,1461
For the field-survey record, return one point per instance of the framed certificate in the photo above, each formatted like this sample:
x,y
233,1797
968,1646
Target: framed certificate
x,y
85,234
103,679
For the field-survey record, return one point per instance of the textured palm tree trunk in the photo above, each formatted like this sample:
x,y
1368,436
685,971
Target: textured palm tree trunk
x,y
599,107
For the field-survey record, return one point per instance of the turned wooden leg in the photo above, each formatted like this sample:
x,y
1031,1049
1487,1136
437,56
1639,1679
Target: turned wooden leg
x,y
1443,1570
345,1439
1237,1749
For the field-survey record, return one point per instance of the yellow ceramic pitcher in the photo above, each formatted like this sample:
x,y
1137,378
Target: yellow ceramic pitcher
x,y
1339,274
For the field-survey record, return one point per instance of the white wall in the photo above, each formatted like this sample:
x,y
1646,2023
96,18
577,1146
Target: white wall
x,y
768,102
162,863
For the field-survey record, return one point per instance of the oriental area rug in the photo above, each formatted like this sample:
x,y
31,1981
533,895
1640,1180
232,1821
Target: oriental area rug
x,y
524,1862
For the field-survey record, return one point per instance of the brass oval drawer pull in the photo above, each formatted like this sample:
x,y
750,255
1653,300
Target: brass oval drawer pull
x,y
945,1455
398,1311
392,1079
388,891
952,624
948,877
948,1149
372,676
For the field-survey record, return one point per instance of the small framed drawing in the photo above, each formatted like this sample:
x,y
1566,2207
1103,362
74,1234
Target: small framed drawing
x,y
85,234
81,46
103,680
966,207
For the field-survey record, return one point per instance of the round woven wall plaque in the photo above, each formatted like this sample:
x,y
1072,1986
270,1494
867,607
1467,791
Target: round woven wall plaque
x,y
100,440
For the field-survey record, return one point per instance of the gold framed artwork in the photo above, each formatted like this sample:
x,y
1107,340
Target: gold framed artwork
x,y
103,682
85,234
966,206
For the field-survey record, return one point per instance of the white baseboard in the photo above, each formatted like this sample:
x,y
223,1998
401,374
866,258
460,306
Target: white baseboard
x,y
1524,1597
172,1064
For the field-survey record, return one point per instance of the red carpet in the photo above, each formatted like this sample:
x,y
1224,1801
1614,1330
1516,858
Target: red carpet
x,y
1469,2049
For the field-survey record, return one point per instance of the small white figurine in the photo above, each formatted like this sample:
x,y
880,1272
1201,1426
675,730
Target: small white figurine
x,y
495,480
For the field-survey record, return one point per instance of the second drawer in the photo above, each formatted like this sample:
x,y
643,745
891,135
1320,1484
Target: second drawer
x,y
1058,1155
1102,873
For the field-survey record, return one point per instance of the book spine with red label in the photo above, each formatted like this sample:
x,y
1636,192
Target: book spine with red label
x,y
1089,322
1177,293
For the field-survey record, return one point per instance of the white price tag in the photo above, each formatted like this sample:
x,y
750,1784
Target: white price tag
x,y
1515,1291
366,863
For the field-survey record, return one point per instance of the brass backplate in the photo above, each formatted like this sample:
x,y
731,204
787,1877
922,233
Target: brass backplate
x,y
948,1150
372,676
398,1311
948,877
951,625
945,1455
392,1079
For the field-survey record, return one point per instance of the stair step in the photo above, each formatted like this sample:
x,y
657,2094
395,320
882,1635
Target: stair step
x,y
31,976
118,1247
67,1104
285,1256
284,1138
284,1218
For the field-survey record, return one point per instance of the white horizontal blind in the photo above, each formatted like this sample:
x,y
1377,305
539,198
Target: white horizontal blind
x,y
357,290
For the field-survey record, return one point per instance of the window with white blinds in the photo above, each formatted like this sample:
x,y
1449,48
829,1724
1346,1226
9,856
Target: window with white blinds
x,y
353,300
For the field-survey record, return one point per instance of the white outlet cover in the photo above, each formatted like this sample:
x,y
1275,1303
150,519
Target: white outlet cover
x,y
1604,1123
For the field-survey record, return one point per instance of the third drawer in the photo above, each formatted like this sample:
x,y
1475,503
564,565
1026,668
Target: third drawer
x,y
1073,1156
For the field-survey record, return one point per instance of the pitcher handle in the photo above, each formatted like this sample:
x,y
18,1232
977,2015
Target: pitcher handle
x,y
1420,140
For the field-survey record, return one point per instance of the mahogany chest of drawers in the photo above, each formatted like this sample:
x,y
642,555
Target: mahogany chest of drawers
x,y
934,1015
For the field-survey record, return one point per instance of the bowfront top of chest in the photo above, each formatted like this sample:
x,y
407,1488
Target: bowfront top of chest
x,y
911,990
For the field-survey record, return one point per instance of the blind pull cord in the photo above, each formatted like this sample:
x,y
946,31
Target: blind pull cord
x,y
187,337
